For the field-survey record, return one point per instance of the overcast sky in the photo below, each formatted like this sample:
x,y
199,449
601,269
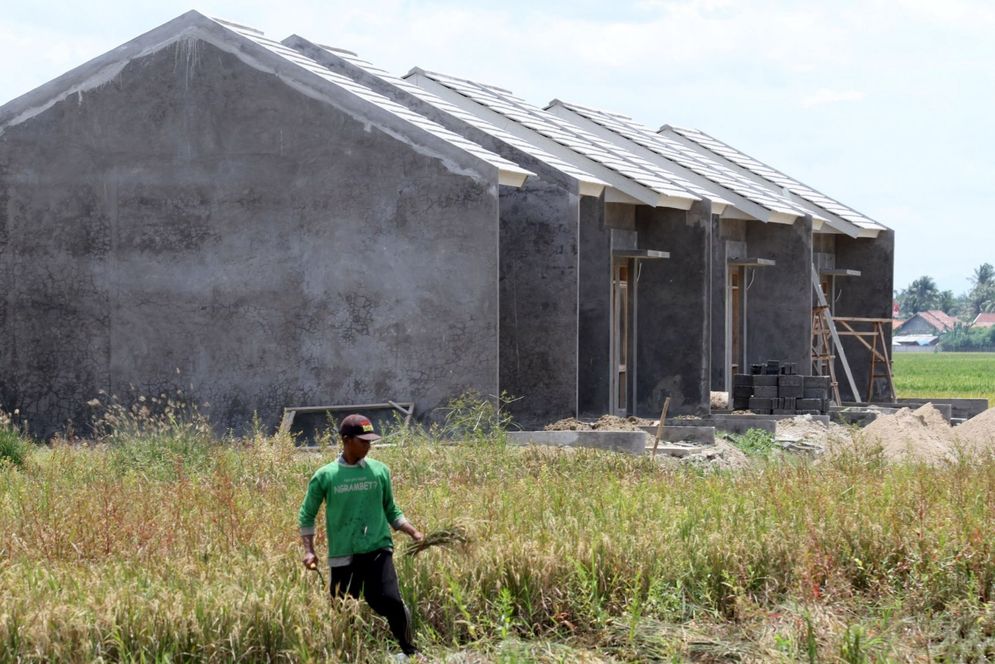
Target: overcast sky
x,y
887,106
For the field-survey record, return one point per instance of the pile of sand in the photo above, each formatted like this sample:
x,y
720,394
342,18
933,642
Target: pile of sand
x,y
803,433
978,433
920,435
603,423
568,424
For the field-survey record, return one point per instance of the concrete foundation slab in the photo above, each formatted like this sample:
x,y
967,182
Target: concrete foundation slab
x,y
692,434
630,442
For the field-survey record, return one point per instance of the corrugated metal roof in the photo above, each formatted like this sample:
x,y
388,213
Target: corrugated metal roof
x,y
469,118
697,162
545,124
776,177
374,98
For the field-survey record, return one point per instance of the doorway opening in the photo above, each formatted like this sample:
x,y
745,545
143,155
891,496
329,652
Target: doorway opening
x,y
621,335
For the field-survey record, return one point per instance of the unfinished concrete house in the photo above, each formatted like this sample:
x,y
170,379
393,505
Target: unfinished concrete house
x,y
270,224
205,209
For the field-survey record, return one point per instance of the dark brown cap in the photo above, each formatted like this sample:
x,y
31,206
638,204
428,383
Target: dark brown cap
x,y
358,426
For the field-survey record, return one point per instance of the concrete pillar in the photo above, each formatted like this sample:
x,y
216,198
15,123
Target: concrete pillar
x,y
673,340
594,311
779,297
538,301
867,296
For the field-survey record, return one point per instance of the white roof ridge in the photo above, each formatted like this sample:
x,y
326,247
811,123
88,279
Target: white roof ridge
x,y
423,99
698,162
549,126
439,74
590,109
239,26
685,130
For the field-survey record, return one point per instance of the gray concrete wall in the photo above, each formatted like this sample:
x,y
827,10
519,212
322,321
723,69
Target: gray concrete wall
x,y
594,323
673,339
779,298
867,296
539,299
205,226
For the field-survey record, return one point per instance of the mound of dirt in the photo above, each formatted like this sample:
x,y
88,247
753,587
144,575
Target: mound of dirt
x,y
568,424
803,433
723,455
920,435
978,433
603,423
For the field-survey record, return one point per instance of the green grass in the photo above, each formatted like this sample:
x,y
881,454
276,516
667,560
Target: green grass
x,y
574,556
968,375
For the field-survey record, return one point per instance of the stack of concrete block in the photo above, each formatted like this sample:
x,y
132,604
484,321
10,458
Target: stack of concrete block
x,y
775,388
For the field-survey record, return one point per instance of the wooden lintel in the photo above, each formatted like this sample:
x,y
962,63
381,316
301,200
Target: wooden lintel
x,y
861,320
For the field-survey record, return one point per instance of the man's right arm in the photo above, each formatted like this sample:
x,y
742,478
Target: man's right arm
x,y
310,557
306,516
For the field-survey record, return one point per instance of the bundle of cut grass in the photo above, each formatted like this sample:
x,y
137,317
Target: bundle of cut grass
x,y
445,537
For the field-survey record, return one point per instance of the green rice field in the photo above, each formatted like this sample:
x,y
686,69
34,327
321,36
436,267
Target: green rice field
x,y
967,375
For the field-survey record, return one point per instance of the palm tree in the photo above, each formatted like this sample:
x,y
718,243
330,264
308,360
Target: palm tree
x,y
981,295
984,275
921,295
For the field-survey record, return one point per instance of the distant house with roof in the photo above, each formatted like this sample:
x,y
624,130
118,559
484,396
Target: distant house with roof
x,y
984,319
932,322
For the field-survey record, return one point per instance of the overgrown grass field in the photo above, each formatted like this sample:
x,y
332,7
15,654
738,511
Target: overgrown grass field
x,y
164,545
970,375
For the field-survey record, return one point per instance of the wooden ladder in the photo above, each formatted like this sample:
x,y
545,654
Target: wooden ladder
x,y
824,332
878,346
823,359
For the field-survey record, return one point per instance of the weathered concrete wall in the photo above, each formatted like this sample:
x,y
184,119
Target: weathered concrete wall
x,y
673,340
197,223
594,324
539,299
867,296
779,298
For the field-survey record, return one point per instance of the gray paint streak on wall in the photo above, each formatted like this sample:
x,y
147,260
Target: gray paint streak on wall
x,y
595,309
538,301
673,318
272,248
867,296
779,298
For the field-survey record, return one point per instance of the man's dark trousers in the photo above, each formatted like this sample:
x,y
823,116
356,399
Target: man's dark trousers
x,y
374,575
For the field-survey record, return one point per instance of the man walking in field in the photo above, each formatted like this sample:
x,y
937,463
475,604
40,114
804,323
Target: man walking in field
x,y
359,513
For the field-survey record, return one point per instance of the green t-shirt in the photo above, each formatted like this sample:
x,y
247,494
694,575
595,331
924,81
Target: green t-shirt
x,y
359,507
